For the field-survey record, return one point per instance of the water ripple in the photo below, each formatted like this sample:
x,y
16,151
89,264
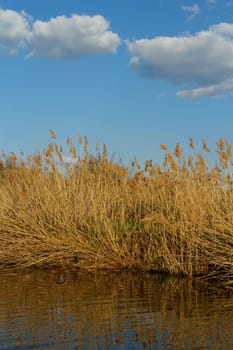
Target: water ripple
x,y
111,312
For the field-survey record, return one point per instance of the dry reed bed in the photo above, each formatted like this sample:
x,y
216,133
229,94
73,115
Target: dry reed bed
x,y
92,213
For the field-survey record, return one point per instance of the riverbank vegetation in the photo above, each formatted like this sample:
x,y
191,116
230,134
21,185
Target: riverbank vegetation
x,y
92,213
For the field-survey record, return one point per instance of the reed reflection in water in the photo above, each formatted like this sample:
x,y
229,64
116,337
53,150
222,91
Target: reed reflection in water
x,y
112,311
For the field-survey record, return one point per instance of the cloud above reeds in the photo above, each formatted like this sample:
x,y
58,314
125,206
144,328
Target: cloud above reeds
x,y
72,37
65,37
193,11
14,31
200,64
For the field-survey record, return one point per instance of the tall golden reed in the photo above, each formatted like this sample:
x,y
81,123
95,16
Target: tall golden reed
x,y
92,213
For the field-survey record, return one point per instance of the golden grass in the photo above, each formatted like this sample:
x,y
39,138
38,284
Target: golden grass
x,y
92,213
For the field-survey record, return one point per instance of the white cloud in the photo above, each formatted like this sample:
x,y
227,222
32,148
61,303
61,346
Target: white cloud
x,y
72,37
61,37
202,62
14,31
225,29
216,90
68,159
194,10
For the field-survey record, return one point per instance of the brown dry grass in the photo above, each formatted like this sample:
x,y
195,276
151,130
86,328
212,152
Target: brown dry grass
x,y
92,213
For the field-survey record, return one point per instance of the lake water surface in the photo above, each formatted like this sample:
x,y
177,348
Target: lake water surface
x,y
111,311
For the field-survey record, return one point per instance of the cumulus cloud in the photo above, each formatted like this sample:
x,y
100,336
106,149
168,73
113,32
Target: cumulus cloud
x,y
216,90
14,31
61,37
201,62
72,37
194,10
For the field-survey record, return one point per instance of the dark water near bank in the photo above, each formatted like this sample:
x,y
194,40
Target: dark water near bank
x,y
111,312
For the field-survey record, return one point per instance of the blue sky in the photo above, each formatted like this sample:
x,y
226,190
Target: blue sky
x,y
131,74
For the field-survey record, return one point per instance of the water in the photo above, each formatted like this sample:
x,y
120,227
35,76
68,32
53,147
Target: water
x,y
112,311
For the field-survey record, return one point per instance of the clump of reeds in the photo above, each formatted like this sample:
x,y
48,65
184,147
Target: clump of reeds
x,y
92,213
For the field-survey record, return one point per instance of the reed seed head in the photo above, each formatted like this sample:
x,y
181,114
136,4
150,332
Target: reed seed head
x,y
52,134
191,143
163,147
